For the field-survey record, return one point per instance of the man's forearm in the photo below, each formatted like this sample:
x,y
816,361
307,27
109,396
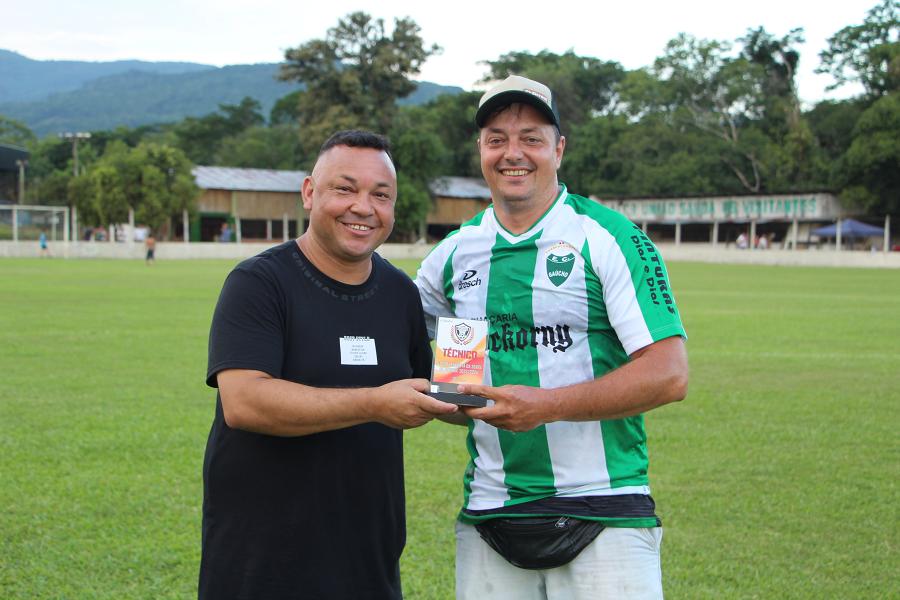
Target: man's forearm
x,y
655,375
255,401
646,382
264,404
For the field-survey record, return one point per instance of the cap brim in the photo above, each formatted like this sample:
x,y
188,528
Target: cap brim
x,y
512,97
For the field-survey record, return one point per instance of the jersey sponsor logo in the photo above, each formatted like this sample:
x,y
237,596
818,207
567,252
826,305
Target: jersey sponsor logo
x,y
654,275
509,317
462,333
467,282
560,260
509,339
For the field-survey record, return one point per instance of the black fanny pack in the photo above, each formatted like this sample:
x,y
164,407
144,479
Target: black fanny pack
x,y
539,542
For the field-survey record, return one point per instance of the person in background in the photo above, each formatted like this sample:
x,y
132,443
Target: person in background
x,y
150,245
42,242
225,233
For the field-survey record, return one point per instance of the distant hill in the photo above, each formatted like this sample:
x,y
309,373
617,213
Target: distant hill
x,y
139,97
427,91
54,96
23,79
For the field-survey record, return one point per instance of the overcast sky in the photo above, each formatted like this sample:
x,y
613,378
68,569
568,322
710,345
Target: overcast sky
x,y
221,32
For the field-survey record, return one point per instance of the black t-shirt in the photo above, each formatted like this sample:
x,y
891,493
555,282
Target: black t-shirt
x,y
322,515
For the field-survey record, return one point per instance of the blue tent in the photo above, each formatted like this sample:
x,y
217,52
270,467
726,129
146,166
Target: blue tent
x,y
849,229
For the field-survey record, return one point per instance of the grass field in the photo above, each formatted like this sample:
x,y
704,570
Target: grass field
x,y
776,478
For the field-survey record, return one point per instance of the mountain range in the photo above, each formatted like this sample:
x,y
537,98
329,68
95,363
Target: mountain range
x,y
52,96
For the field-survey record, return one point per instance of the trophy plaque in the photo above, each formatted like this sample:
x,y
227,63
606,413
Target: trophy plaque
x,y
458,358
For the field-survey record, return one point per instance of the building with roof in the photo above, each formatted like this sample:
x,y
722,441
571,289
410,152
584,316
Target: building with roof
x,y
786,219
257,204
455,200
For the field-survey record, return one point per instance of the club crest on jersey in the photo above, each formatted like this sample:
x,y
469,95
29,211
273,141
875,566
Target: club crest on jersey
x,y
560,260
462,333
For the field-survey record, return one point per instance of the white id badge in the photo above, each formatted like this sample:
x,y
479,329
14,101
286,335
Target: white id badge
x,y
358,351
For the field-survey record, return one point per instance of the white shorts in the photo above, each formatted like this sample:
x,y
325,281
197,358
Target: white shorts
x,y
620,564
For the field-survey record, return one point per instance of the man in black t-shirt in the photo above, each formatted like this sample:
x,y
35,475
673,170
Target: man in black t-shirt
x,y
321,356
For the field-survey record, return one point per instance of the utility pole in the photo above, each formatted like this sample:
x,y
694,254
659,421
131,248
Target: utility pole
x,y
74,137
21,163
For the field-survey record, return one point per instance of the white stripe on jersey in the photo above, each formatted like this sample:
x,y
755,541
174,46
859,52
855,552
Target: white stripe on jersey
x,y
618,288
434,302
488,485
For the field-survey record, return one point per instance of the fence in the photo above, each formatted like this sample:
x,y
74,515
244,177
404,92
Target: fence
x,y
24,223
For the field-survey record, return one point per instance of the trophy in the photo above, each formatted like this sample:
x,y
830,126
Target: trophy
x,y
458,358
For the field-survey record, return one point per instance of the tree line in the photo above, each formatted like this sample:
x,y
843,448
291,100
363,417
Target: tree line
x,y
707,117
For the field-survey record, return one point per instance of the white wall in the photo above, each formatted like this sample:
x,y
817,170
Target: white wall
x,y
804,258
671,253
173,250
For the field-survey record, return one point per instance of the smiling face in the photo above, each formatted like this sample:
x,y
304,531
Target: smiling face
x,y
520,154
350,199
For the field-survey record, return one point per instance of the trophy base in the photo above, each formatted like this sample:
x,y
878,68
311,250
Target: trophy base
x,y
460,399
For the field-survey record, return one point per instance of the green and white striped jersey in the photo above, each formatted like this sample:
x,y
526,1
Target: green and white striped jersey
x,y
566,302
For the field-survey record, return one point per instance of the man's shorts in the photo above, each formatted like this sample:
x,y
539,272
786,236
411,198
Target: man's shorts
x,y
621,563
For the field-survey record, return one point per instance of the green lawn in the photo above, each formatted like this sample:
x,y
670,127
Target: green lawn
x,y
776,478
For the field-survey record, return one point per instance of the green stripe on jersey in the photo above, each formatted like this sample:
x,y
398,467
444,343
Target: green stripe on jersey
x,y
526,456
625,445
469,475
448,282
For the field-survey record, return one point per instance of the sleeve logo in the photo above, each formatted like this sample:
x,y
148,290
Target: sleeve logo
x,y
467,282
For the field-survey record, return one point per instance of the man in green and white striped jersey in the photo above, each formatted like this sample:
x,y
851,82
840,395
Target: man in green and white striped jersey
x,y
584,337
